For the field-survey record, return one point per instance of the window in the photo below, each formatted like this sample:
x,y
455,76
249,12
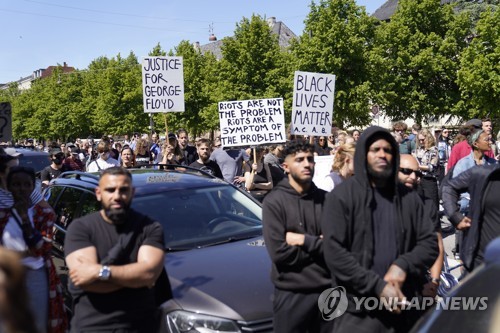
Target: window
x,y
89,204
67,207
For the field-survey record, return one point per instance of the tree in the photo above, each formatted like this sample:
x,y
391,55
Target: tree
x,y
416,59
337,37
479,75
195,99
113,96
475,7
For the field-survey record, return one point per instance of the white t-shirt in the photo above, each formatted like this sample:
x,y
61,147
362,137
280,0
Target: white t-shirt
x,y
100,164
12,238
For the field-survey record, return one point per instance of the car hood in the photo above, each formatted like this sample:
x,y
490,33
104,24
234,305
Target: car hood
x,y
227,280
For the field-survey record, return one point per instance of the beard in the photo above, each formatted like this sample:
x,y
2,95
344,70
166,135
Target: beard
x,y
383,175
117,215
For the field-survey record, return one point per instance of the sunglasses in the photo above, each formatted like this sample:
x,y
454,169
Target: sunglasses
x,y
408,171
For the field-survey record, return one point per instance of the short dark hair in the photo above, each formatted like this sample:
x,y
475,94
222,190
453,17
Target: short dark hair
x,y
203,141
295,146
21,169
116,171
181,130
416,127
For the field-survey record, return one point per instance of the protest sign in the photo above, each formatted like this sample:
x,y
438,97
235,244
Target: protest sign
x,y
312,109
322,168
5,122
252,122
163,84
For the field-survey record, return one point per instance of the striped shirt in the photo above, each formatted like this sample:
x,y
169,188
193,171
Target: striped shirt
x,y
7,200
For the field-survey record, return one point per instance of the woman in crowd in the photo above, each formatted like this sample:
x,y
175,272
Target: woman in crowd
x,y
27,230
444,150
258,177
127,157
356,134
171,152
15,312
331,141
341,137
142,154
321,147
428,160
342,168
72,160
480,143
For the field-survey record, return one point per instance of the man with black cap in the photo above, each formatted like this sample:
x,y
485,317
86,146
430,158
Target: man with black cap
x,y
378,241
463,148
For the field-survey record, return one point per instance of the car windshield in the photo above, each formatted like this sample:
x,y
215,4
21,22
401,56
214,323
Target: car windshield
x,y
199,217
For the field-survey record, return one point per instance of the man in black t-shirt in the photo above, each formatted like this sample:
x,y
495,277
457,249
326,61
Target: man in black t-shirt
x,y
188,151
204,148
114,257
54,169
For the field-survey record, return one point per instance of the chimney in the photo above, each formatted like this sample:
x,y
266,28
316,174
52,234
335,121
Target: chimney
x,y
64,64
271,21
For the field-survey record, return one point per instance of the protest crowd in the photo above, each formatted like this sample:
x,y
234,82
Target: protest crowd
x,y
371,224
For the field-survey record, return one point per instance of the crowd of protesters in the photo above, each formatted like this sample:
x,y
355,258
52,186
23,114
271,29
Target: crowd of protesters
x,y
344,230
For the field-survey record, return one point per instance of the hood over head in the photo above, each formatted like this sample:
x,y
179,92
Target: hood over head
x,y
369,136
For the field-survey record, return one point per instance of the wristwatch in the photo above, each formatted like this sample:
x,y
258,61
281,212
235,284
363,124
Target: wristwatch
x,y
104,273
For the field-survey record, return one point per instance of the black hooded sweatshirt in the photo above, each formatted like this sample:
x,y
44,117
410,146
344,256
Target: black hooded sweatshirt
x,y
295,268
348,230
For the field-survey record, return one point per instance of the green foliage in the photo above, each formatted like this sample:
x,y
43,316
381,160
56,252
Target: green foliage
x,y
479,76
415,60
474,8
113,96
337,38
194,97
428,61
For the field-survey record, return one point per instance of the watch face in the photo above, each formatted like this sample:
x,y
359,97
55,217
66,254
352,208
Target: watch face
x,y
104,273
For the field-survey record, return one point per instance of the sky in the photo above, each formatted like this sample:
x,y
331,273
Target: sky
x,y
41,33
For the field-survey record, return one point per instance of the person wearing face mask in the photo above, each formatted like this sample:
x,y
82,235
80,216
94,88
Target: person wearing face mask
x,y
55,168
104,161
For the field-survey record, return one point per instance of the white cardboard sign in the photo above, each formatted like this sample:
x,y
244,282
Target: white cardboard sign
x,y
163,84
313,97
252,122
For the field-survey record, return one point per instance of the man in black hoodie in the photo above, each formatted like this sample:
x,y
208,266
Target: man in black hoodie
x,y
292,232
377,241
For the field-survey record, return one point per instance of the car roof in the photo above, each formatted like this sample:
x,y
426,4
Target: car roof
x,y
31,152
147,181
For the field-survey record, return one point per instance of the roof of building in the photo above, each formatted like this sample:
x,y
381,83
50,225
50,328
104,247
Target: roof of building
x,y
385,11
285,35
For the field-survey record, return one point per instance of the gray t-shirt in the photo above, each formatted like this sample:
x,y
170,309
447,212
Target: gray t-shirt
x,y
230,162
